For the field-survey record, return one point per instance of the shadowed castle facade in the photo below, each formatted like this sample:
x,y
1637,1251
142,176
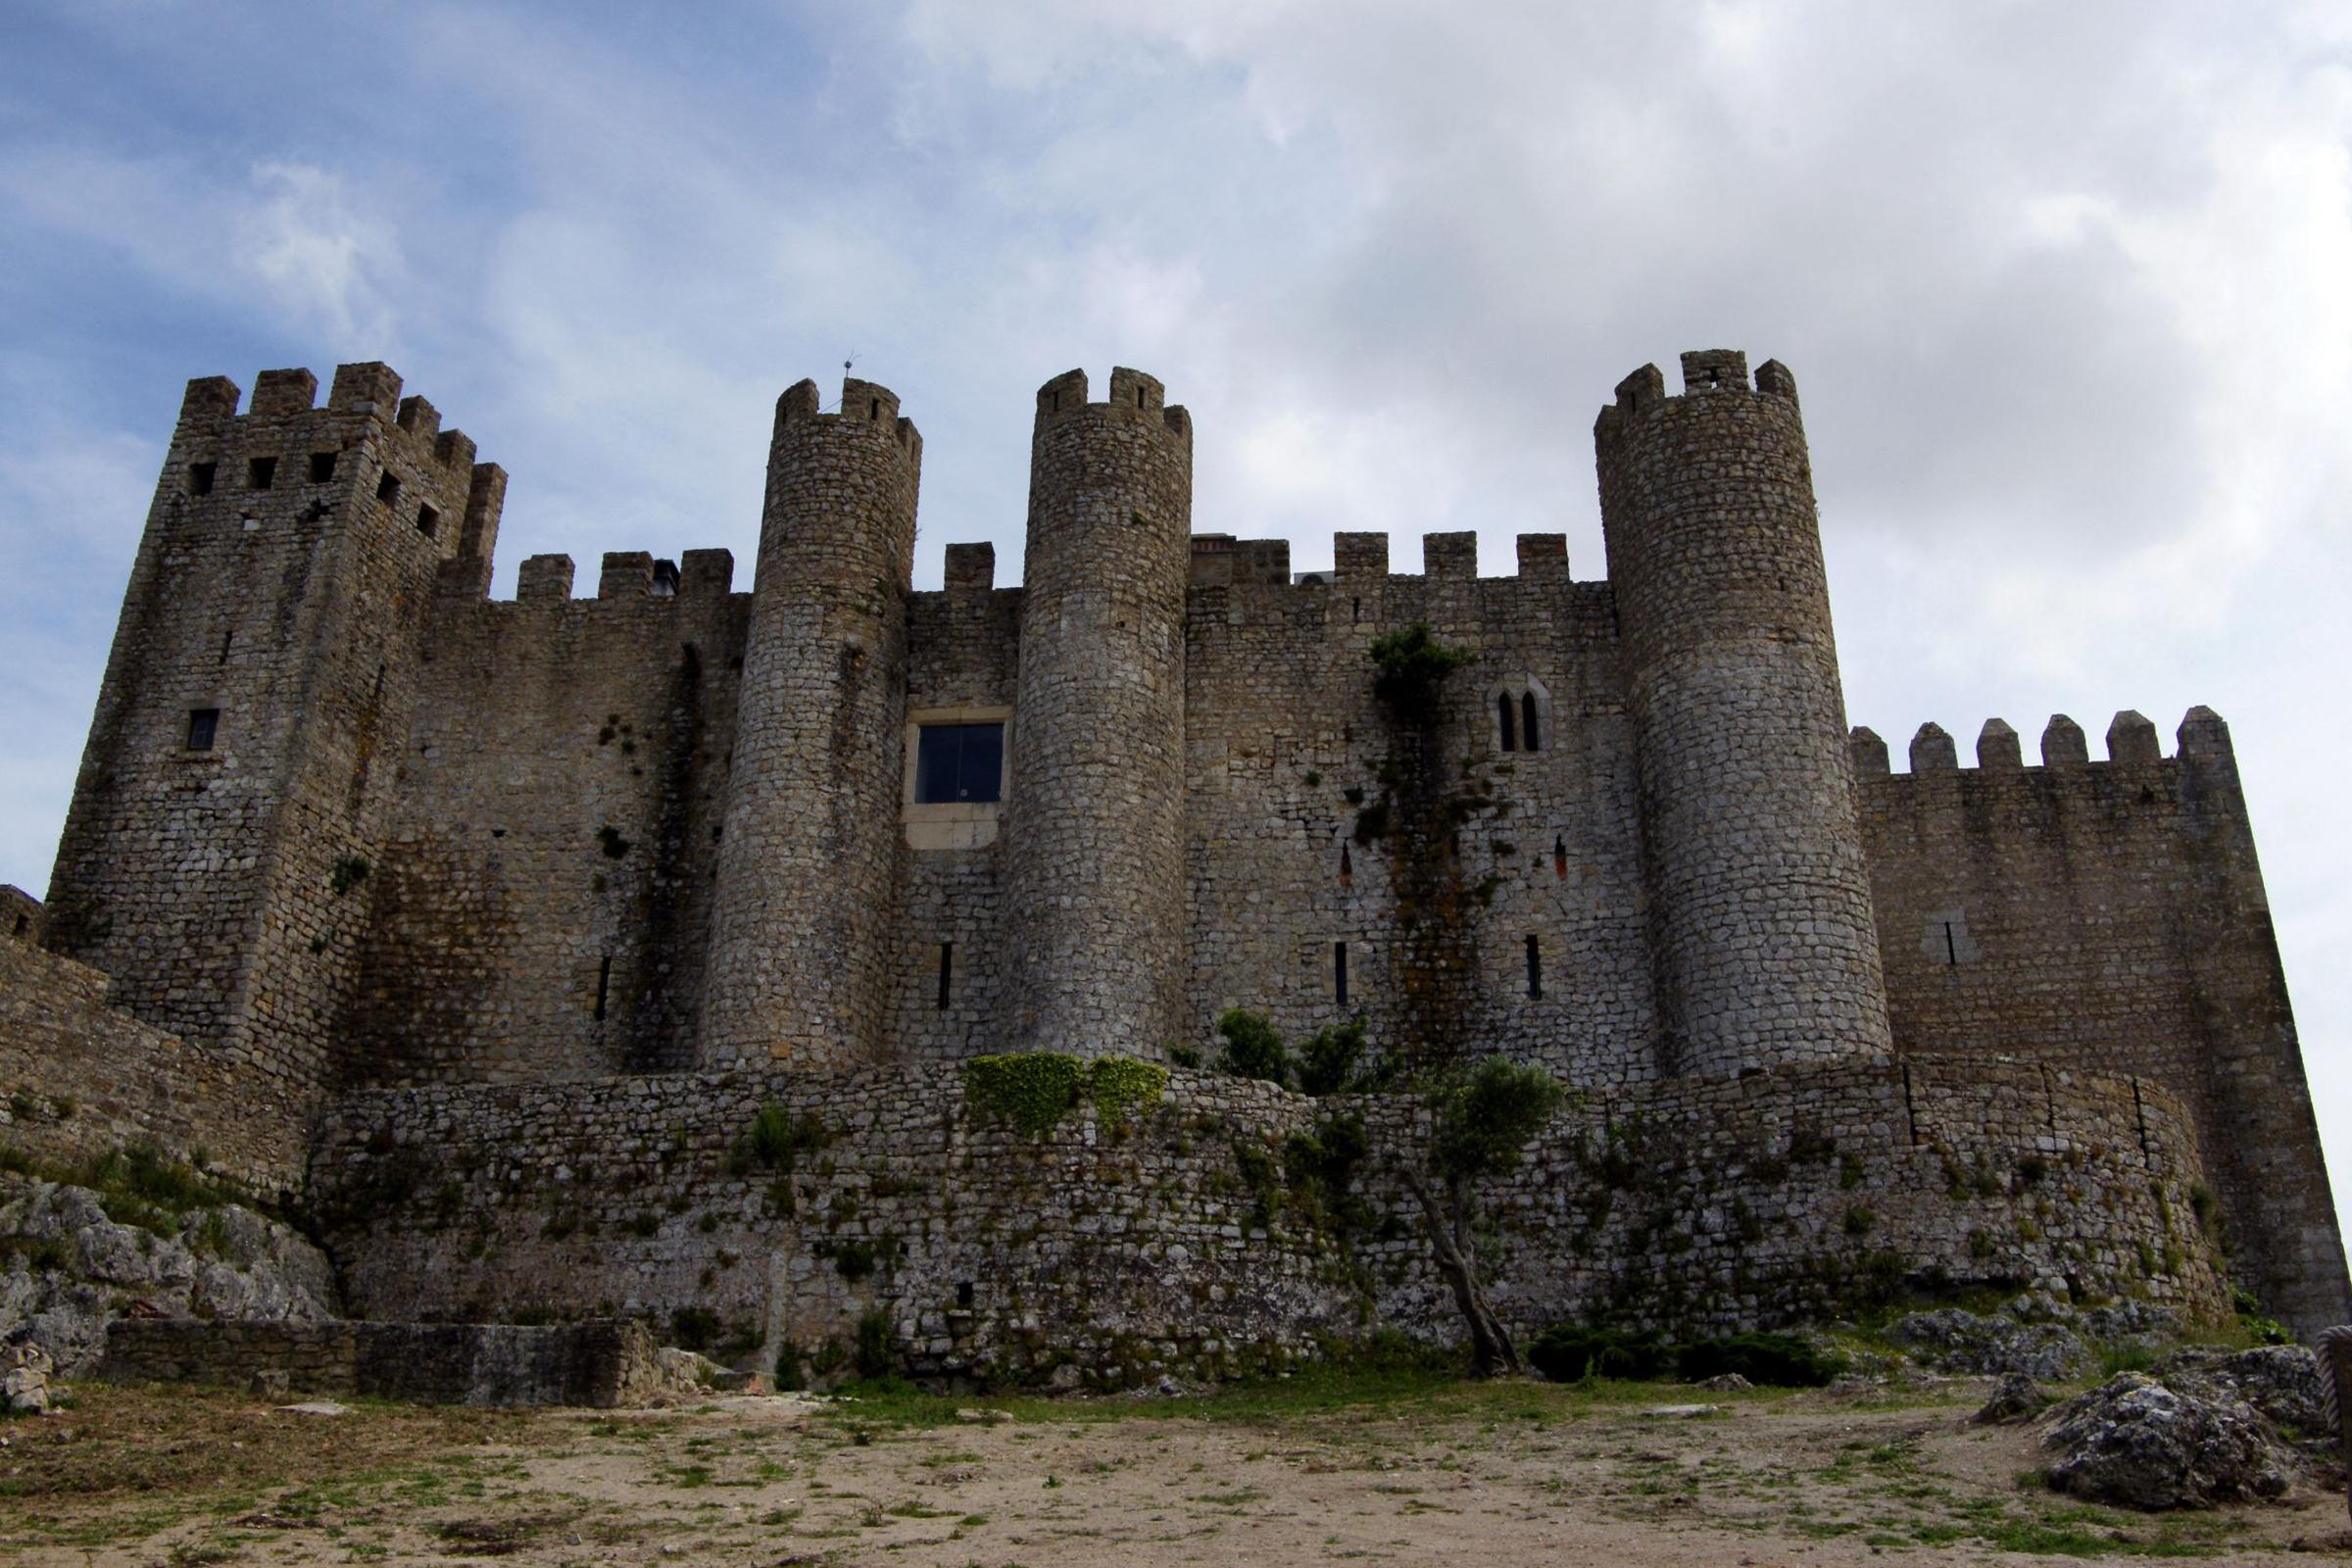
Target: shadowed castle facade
x,y
359,849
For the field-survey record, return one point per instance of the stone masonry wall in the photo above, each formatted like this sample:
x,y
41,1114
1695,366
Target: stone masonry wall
x,y
79,1079
598,1365
1287,750
542,906
962,654
1188,1238
2110,916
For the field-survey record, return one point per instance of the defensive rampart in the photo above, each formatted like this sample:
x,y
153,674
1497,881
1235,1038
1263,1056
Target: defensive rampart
x,y
1198,1234
2111,915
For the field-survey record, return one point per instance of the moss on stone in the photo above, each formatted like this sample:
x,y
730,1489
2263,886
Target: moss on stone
x,y
1122,1087
1034,1090
1031,1089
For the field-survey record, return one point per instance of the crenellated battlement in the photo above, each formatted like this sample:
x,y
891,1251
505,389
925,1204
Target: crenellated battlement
x,y
627,575
1707,373
866,407
1221,561
2132,743
368,390
1135,397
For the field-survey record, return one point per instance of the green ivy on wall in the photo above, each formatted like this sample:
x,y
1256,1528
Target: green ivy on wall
x,y
1034,1090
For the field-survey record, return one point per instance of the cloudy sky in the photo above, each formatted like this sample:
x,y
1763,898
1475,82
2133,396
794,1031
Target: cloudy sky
x,y
2065,285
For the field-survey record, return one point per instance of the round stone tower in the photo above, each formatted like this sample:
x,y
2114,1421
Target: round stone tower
x,y
1095,823
809,855
1761,934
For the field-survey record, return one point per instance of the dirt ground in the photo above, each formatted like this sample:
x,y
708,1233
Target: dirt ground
x,y
1325,1469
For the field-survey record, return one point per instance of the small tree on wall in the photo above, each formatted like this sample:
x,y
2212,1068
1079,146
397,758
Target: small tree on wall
x,y
1481,1120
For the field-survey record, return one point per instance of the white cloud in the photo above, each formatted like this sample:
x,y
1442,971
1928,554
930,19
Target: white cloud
x,y
322,262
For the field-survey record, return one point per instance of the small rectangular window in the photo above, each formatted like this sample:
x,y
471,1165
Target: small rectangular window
x,y
1535,971
200,477
429,521
203,724
260,472
947,970
387,485
960,763
322,467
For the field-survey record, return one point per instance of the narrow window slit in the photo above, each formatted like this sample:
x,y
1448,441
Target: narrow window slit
x,y
227,640
1527,723
1346,867
603,986
1951,948
1560,856
1339,971
1510,736
946,971
1535,970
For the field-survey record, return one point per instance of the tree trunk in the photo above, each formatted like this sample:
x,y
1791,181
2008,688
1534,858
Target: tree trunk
x,y
1490,1347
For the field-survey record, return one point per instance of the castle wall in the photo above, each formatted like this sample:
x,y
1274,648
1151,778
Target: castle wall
x,y
1282,727
592,1365
542,908
79,1079
1186,1240
963,655
2110,916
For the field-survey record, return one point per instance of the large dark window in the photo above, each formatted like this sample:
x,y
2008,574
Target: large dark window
x,y
958,762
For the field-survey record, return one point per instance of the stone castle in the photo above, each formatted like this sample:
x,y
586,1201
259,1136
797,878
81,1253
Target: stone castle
x,y
488,927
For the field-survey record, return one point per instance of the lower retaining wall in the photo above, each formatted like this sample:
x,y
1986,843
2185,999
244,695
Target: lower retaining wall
x,y
601,1365
79,1079
1198,1238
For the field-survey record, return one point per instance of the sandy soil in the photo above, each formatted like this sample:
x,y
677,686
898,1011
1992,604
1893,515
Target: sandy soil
x,y
1494,1477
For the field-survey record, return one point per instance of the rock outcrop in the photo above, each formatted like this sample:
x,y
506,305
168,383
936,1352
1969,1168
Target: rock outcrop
x,y
2135,1441
1950,1340
67,1269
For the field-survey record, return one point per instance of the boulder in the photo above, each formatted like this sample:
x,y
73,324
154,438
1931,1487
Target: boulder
x,y
2280,1380
2136,1442
2014,1397
24,1369
1950,1340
